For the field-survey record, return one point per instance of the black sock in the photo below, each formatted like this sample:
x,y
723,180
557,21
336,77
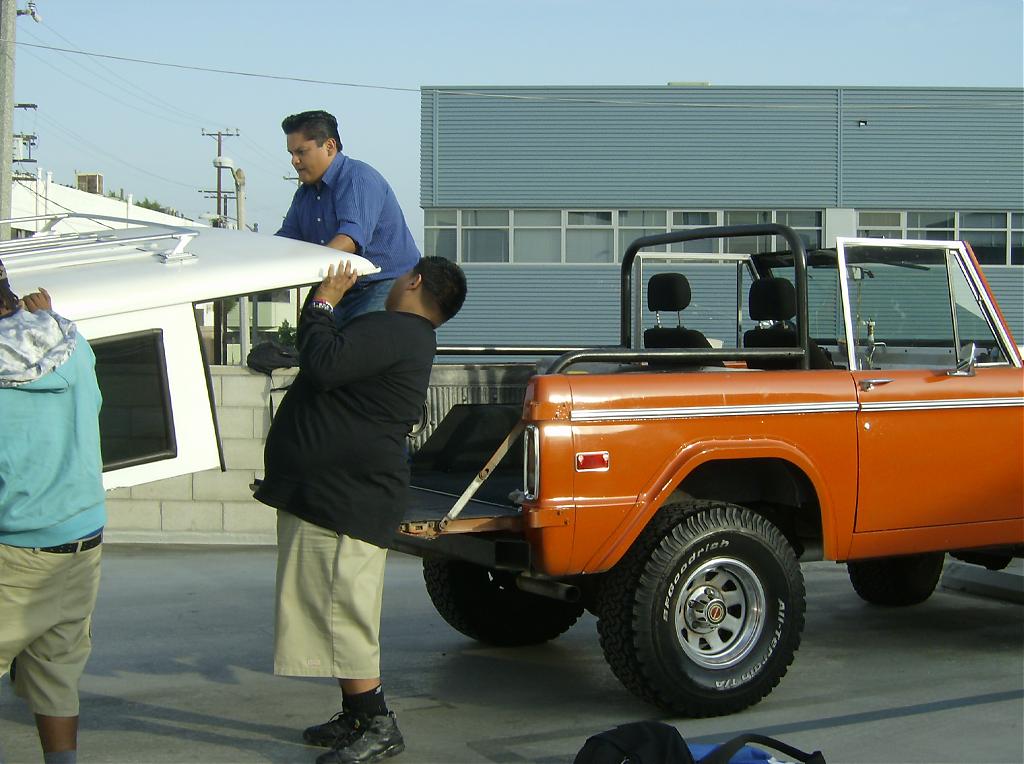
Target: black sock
x,y
370,703
60,757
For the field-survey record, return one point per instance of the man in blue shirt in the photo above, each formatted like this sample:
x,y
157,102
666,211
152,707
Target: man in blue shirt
x,y
345,204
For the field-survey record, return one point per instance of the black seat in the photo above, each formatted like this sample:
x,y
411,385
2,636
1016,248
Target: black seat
x,y
670,292
773,303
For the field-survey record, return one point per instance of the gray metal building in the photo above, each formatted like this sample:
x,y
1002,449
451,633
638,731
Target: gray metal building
x,y
537,191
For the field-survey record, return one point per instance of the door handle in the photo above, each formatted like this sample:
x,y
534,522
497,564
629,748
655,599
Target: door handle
x,y
868,384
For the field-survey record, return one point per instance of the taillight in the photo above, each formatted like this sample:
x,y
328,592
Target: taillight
x,y
531,461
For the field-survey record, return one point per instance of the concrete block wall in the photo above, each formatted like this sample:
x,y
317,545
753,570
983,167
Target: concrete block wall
x,y
210,507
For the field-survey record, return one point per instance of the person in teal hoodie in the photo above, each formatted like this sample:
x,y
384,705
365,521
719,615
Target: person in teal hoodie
x,y
52,511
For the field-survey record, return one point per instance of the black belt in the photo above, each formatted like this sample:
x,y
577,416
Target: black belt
x,y
74,546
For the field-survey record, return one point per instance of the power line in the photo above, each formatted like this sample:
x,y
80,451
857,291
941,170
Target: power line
x,y
115,99
214,70
48,200
265,160
746,105
145,94
74,136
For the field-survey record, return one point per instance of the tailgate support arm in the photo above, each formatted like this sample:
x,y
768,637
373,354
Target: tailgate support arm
x,y
481,476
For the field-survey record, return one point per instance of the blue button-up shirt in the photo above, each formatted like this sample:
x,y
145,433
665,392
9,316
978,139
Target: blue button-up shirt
x,y
354,199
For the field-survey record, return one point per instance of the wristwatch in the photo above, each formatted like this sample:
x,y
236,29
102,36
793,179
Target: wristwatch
x,y
321,305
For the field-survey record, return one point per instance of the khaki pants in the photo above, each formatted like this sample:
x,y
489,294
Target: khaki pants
x,y
46,604
329,593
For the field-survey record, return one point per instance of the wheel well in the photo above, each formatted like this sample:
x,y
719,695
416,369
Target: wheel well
x,y
774,488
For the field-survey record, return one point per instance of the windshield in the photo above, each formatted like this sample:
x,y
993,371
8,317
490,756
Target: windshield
x,y
914,304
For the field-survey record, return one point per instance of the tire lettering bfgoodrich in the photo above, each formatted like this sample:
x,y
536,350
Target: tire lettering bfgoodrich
x,y
754,670
666,612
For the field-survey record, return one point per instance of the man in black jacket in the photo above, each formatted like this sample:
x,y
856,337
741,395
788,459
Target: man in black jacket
x,y
337,470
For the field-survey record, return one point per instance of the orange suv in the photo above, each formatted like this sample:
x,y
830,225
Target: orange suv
x,y
862,404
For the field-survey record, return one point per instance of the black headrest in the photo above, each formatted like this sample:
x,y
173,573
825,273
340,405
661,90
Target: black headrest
x,y
772,300
668,291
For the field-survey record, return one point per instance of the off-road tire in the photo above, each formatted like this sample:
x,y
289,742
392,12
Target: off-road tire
x,y
896,581
651,597
486,605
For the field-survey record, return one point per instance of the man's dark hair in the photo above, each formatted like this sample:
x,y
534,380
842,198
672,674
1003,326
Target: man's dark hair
x,y
8,299
315,125
445,282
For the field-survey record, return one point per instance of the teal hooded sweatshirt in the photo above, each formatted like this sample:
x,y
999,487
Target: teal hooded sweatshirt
x,y
51,488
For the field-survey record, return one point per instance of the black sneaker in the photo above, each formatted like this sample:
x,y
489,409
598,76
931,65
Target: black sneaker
x,y
375,738
325,735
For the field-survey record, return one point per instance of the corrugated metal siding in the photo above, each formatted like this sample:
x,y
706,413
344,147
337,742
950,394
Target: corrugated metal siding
x,y
933,148
1007,283
579,305
537,305
947,148
427,142
594,147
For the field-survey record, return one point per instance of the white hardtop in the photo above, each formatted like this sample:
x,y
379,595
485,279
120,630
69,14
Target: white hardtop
x,y
111,272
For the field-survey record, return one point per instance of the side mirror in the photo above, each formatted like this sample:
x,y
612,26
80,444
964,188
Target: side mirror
x,y
965,365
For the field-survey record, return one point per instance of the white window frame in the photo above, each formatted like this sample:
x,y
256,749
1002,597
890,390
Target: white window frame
x,y
192,416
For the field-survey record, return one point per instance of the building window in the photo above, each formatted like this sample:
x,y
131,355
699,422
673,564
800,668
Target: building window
x,y
440,233
997,238
634,224
806,223
986,233
1017,239
589,237
483,241
589,217
687,219
872,224
936,226
537,236
748,245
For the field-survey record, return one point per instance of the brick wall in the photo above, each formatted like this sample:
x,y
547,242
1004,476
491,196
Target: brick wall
x,y
210,507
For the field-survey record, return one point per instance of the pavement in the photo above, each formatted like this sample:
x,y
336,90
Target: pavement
x,y
181,672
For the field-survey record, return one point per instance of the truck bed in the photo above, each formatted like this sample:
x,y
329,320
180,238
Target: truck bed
x,y
471,408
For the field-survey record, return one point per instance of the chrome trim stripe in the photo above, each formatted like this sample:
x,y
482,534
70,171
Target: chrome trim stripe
x,y
698,412
952,403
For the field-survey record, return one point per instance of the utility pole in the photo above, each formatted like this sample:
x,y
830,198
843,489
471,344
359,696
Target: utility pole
x,y
239,176
8,14
220,135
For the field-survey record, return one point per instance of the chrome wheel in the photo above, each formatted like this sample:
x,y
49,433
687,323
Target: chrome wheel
x,y
720,613
703,616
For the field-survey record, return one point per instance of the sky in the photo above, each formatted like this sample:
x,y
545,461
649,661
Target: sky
x,y
141,125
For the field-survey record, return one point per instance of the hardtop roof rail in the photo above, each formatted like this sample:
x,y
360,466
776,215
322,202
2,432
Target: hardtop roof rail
x,y
49,249
56,217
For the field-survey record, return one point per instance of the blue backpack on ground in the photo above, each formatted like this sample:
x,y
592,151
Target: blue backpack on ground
x,y
659,743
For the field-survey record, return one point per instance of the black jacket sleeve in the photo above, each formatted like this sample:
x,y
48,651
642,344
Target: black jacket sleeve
x,y
332,357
